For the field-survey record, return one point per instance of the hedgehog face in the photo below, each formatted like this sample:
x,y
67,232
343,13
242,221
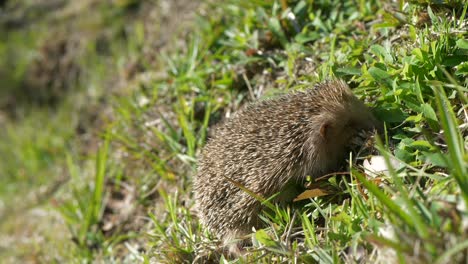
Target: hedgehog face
x,y
339,130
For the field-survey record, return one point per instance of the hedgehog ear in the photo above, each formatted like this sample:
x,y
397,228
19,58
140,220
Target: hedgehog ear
x,y
324,129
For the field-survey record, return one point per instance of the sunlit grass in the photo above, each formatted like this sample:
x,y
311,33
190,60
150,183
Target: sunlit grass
x,y
406,60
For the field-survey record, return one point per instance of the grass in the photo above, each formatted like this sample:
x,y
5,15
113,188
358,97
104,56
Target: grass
x,y
129,193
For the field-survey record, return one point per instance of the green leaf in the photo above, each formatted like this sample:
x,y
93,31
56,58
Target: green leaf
x,y
414,118
382,53
349,71
437,159
418,53
433,17
430,116
462,43
381,76
421,144
390,115
402,154
263,237
306,37
462,69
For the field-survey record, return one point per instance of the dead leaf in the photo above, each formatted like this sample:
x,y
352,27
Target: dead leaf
x,y
311,194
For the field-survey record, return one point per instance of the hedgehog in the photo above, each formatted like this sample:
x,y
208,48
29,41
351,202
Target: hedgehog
x,y
270,145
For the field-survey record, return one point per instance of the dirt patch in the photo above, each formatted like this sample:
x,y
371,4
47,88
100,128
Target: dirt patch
x,y
50,78
54,72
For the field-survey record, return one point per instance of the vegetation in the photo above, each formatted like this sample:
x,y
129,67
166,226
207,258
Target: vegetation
x,y
105,106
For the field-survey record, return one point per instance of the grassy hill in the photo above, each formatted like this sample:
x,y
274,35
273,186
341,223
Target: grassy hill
x,y
105,106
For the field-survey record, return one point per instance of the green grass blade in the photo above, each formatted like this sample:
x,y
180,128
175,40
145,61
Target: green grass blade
x,y
100,177
416,219
446,256
384,199
453,137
